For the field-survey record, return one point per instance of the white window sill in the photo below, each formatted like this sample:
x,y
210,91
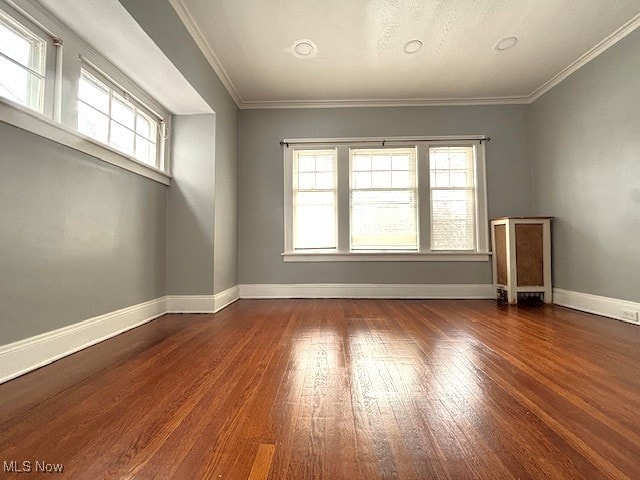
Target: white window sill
x,y
385,256
26,119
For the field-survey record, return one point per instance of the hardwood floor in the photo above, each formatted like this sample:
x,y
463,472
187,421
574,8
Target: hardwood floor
x,y
340,389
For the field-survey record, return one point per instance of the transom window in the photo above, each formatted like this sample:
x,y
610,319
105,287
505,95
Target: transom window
x,y
22,65
113,117
355,200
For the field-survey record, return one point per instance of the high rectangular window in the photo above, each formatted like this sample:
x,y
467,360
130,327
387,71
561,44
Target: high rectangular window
x,y
384,198
113,117
314,199
22,65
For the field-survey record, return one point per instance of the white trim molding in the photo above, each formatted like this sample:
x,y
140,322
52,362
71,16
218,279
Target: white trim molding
x,y
202,303
385,257
605,306
25,355
363,290
225,298
205,48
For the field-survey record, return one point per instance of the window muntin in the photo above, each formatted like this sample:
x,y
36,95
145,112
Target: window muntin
x,y
383,199
314,199
113,118
22,65
453,198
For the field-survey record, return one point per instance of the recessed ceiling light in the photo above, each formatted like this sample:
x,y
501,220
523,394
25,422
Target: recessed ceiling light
x,y
412,47
506,43
303,48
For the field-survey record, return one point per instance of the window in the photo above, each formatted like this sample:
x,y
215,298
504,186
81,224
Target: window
x,y
384,199
111,116
314,199
381,200
453,206
22,65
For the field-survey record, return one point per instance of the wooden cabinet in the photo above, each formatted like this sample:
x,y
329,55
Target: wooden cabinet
x,y
521,257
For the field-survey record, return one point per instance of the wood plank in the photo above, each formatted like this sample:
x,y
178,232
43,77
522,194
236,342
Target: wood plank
x,y
349,389
262,463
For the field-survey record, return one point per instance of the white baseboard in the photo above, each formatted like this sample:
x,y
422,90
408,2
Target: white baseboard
x,y
190,304
25,355
340,290
202,303
605,306
225,298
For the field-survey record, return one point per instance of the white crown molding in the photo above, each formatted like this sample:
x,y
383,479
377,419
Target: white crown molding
x,y
600,48
605,306
351,290
206,49
208,52
26,355
418,102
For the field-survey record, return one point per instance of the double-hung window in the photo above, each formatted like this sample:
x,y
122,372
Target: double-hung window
x,y
383,199
314,199
22,64
112,116
389,199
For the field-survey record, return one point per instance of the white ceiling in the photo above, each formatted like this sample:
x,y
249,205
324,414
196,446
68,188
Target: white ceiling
x,y
360,57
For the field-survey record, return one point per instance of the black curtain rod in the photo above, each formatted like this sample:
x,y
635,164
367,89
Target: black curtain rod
x,y
383,142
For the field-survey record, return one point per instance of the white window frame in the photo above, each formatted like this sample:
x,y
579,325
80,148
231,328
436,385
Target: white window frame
x,y
27,28
114,88
423,253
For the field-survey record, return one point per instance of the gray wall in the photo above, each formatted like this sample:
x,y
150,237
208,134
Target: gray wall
x,y
585,148
165,28
261,184
78,237
191,206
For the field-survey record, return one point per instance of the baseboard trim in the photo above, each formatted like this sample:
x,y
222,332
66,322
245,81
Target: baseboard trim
x,y
346,290
190,304
604,306
225,298
202,303
25,355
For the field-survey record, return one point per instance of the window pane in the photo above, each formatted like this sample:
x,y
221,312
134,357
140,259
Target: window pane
x,y
92,122
92,93
306,163
452,220
306,181
314,220
121,138
145,151
383,220
13,82
122,111
24,48
361,162
146,126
